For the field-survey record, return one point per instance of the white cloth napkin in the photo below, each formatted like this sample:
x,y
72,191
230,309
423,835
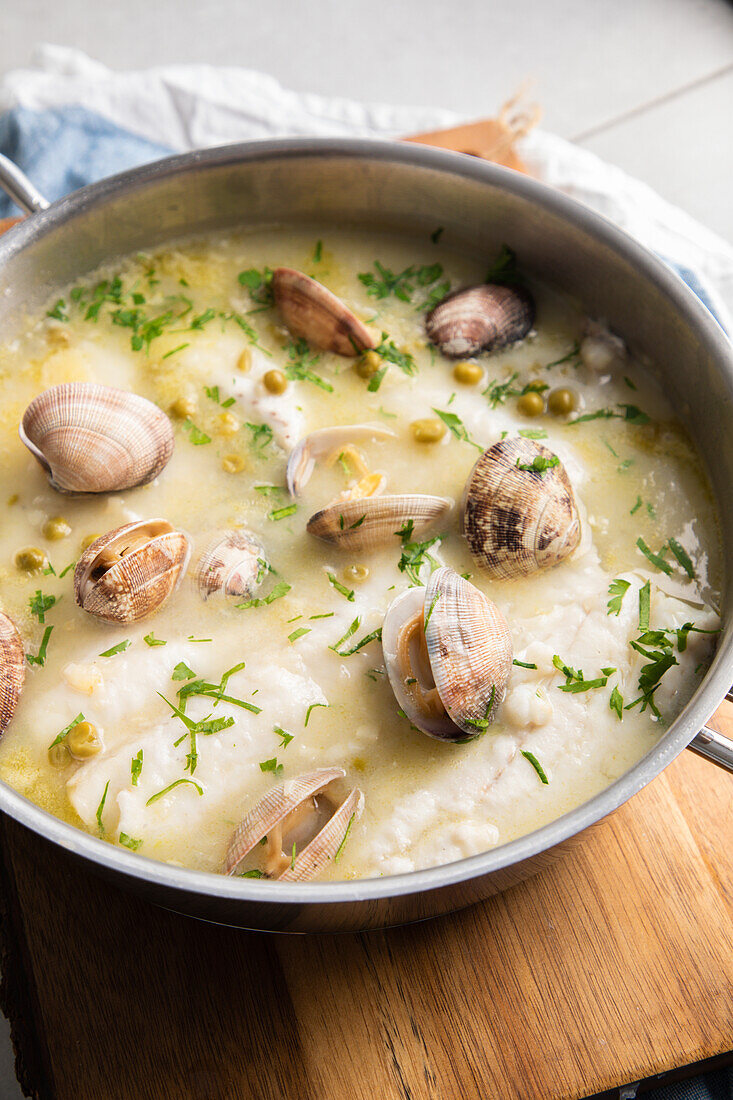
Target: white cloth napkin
x,y
192,106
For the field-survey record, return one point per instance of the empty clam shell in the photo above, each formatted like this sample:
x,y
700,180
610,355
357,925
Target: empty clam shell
x,y
234,563
368,522
298,812
130,572
520,513
312,312
480,318
12,669
96,439
324,442
448,654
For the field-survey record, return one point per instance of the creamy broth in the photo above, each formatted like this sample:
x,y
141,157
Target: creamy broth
x,y
635,474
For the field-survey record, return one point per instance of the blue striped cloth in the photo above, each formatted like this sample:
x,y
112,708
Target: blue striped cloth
x,y
63,149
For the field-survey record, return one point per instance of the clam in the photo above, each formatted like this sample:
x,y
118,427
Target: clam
x,y
130,572
448,654
519,513
312,312
303,822
96,439
480,318
12,669
323,443
233,563
364,523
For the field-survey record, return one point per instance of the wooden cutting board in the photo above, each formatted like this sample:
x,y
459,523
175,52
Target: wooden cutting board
x,y
612,966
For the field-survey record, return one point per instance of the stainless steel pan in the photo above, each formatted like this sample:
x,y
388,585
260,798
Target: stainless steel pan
x,y
409,189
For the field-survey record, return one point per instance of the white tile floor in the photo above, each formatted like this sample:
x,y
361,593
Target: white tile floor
x,y
646,84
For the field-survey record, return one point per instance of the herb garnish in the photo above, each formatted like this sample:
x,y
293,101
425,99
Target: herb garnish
x,y
347,592
136,767
271,766
572,354
632,414
301,360
644,605
655,559
251,874
40,604
130,842
457,427
151,640
67,729
100,808
437,234
524,664
415,555
41,658
279,590
375,634
171,786
282,513
312,707
504,270
196,435
339,850
535,764
119,648
616,703
617,590
262,434
259,285
539,464
299,633
682,557
182,672
403,283
285,737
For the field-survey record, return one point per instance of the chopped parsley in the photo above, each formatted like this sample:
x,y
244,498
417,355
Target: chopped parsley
x,y
280,589
299,633
644,605
318,252
457,427
59,311
262,434
151,640
655,559
617,590
259,285
636,507
572,354
348,593
533,433
285,737
282,513
100,808
40,659
388,350
431,609
375,634
631,414
40,604
497,392
437,234
172,786
416,555
271,766
196,435
301,360
119,648
130,842
616,703
67,729
382,282
682,557
310,708
136,767
524,664
339,850
252,874
539,464
535,764
182,672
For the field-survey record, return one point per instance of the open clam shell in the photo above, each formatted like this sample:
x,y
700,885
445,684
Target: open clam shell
x,y
96,439
368,522
129,573
448,654
312,312
519,512
298,808
12,669
324,442
234,564
480,318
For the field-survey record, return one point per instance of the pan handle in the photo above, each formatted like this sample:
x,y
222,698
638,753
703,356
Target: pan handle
x,y
20,189
713,746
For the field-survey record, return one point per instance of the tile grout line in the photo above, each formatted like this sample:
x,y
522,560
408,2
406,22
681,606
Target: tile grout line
x,y
602,127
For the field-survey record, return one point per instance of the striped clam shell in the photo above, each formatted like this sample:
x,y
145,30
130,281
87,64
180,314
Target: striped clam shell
x,y
12,669
96,439
270,817
461,649
312,312
129,573
517,520
368,522
480,318
233,563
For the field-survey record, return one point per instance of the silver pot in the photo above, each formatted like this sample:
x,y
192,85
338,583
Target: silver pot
x,y
405,188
